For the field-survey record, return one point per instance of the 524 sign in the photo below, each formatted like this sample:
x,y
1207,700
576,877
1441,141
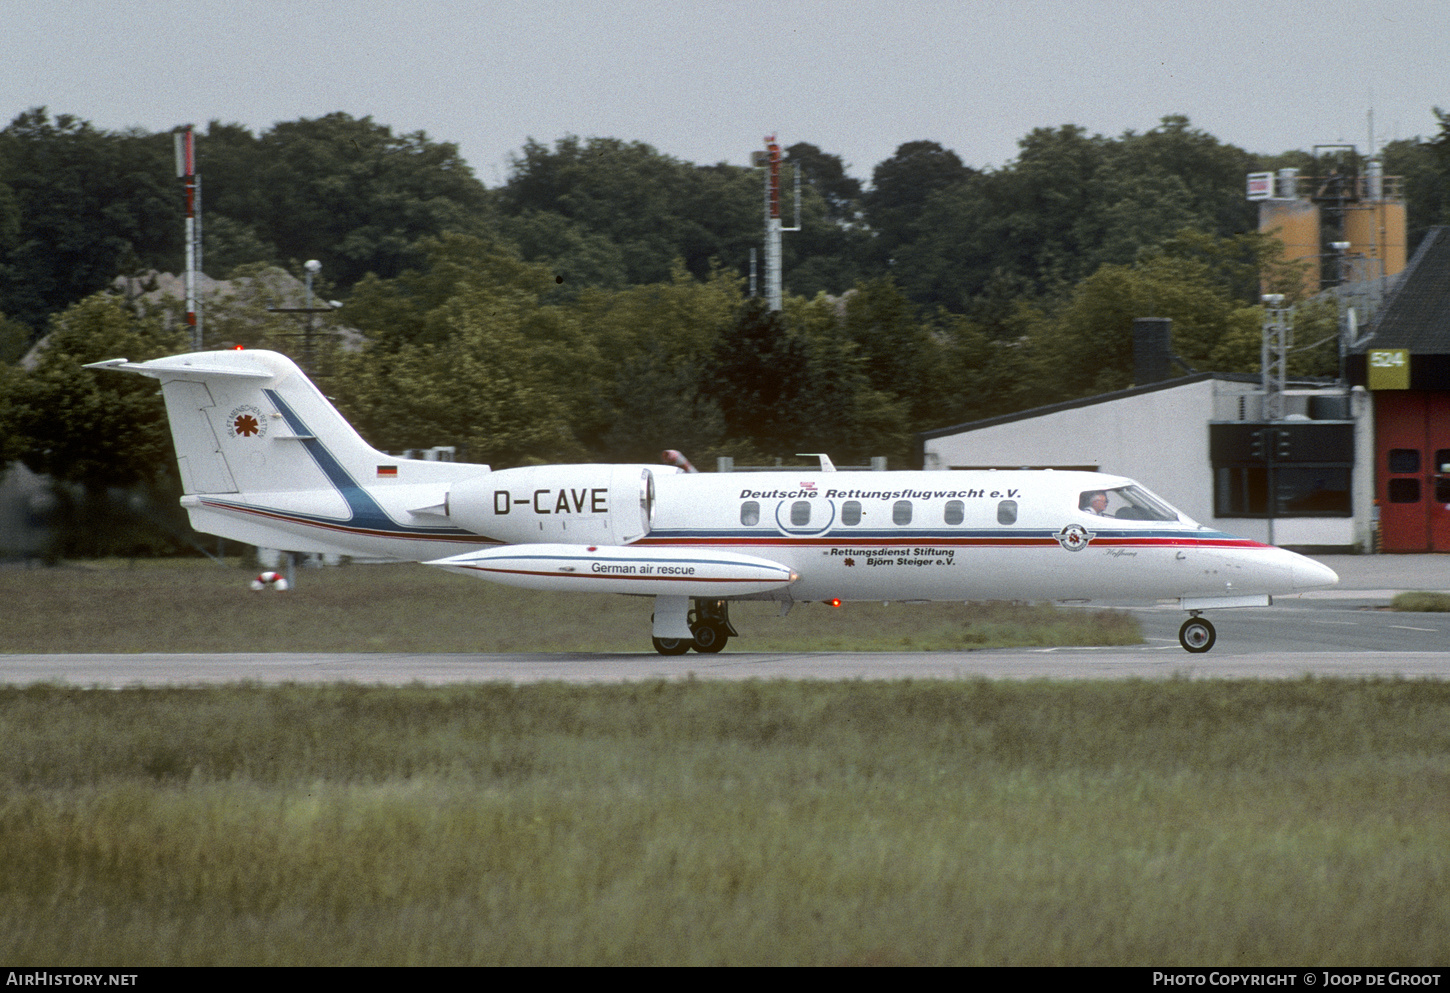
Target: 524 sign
x,y
1389,369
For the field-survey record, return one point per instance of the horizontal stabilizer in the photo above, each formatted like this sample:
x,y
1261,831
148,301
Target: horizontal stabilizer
x,y
181,366
439,509
623,569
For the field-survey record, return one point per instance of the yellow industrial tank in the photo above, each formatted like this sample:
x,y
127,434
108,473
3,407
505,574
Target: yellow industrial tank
x,y
1296,224
1375,230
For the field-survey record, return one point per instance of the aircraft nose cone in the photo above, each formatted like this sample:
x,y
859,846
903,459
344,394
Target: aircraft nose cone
x,y
1311,575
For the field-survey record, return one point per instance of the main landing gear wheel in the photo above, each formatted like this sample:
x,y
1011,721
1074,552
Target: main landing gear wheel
x,y
710,636
1197,635
673,646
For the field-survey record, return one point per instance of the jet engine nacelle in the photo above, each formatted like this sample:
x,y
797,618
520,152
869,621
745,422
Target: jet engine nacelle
x,y
567,504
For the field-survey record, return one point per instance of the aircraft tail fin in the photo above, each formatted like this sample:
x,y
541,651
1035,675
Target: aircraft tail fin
x,y
266,459
251,421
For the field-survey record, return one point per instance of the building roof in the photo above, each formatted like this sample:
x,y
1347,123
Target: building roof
x,y
1417,315
1245,379
1023,415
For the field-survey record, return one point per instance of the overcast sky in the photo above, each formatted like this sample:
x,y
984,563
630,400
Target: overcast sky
x,y
706,80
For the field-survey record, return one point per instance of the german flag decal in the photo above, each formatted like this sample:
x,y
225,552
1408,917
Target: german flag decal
x,y
385,471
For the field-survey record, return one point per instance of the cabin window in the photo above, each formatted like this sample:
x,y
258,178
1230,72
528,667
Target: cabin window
x,y
901,512
750,513
1007,512
800,513
851,513
955,512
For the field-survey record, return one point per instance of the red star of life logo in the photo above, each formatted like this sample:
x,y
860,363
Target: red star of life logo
x,y
245,425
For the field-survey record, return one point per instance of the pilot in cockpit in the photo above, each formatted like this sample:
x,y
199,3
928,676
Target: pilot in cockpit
x,y
1095,502
1127,503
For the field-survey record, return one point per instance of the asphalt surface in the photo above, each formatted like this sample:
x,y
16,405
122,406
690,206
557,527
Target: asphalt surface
x,y
1353,616
1344,631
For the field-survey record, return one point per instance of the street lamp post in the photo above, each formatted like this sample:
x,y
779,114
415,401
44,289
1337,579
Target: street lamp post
x,y
312,268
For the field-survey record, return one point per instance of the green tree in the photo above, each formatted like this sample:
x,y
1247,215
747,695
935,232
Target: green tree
x,y
14,340
655,401
410,307
1085,346
578,257
654,387
75,202
653,209
837,409
1425,168
103,438
826,174
901,186
882,323
479,389
761,371
830,252
349,193
94,428
465,353
1068,204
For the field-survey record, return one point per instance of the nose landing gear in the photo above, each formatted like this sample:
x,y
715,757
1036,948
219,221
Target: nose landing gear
x,y
1196,635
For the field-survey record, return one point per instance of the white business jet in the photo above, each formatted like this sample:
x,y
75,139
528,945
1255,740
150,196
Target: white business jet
x,y
266,459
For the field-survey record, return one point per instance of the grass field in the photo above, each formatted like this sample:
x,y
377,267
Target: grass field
x,y
1172,822
1422,602
197,606
1167,823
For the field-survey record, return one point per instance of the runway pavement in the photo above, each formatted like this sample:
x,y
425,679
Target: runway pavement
x,y
1344,631
1149,662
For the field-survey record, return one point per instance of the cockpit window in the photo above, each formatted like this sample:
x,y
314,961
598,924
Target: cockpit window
x,y
1126,503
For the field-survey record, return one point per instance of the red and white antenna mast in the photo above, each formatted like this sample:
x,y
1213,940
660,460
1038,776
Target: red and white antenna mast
x,y
773,229
186,169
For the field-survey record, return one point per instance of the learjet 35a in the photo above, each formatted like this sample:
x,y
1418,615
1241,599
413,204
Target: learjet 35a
x,y
266,459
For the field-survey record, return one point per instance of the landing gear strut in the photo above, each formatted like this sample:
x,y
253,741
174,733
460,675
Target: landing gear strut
x,y
710,626
1196,635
